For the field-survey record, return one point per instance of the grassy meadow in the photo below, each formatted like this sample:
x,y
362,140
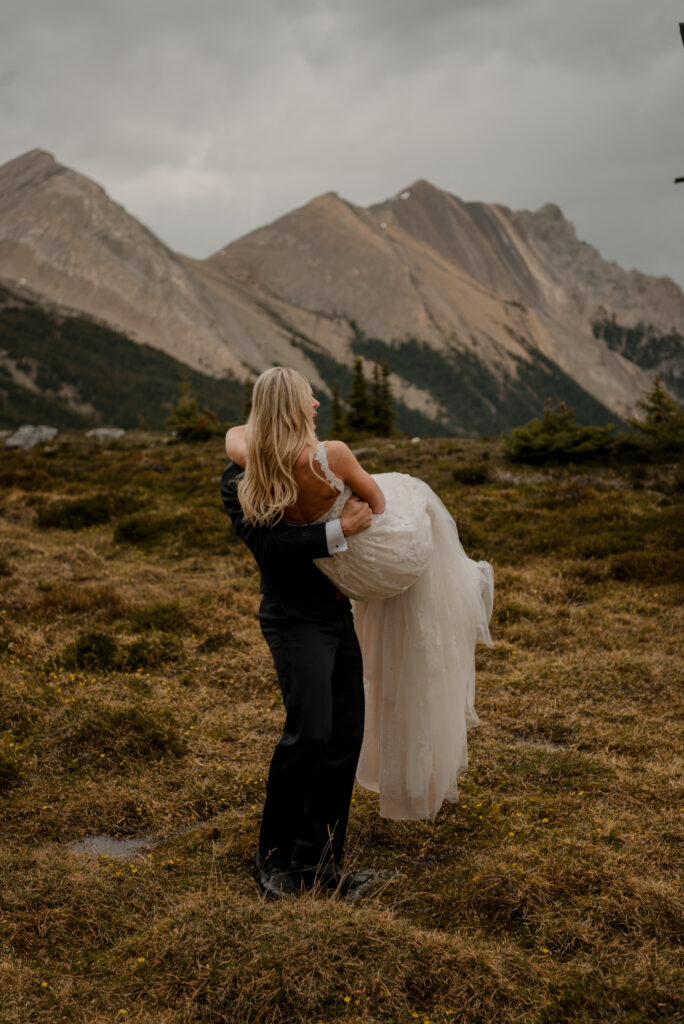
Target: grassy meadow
x,y
137,698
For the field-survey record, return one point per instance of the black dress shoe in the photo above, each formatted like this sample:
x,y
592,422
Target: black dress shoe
x,y
332,878
275,882
353,884
326,876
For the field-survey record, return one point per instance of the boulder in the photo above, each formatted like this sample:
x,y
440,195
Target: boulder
x,y
28,436
106,433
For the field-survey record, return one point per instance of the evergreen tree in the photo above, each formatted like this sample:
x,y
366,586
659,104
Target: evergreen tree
x,y
336,412
376,404
660,429
358,415
663,418
386,414
185,418
247,399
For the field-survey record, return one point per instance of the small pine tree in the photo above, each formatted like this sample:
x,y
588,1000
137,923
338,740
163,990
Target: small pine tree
x,y
660,429
556,420
336,412
185,418
662,416
247,399
358,415
376,409
386,413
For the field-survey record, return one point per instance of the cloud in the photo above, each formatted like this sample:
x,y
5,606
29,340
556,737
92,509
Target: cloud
x,y
207,120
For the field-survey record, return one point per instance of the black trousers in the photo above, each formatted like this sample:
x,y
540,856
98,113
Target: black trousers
x,y
308,793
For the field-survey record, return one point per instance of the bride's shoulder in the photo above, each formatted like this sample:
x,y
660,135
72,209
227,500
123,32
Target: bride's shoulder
x,y
338,453
236,445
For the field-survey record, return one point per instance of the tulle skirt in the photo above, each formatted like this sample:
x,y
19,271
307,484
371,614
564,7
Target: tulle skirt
x,y
420,607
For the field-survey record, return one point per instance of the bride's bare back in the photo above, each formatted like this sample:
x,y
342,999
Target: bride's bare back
x,y
316,495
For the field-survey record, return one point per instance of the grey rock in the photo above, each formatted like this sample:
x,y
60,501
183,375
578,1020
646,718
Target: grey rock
x,y
106,433
28,436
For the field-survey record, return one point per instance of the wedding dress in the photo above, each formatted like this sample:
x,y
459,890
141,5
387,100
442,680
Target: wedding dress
x,y
420,607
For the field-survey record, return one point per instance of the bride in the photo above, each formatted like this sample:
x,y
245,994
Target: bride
x,y
420,607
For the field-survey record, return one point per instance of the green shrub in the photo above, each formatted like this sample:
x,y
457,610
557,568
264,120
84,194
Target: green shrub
x,y
217,641
10,772
144,653
476,474
650,567
561,769
91,650
130,731
166,617
146,529
205,528
99,651
557,438
7,637
91,510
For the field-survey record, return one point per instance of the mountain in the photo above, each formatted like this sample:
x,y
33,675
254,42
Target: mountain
x,y
66,239
468,279
482,312
65,369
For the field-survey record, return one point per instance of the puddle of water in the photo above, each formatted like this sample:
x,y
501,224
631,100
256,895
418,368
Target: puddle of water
x,y
128,846
117,849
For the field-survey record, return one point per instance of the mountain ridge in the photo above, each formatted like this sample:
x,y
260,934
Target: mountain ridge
x,y
513,293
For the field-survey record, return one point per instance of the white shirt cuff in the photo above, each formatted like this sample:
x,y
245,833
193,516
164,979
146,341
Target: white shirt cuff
x,y
335,538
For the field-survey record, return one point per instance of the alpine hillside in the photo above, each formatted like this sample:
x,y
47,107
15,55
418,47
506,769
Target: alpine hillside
x,y
482,312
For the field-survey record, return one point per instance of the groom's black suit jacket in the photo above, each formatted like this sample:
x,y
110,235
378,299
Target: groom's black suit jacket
x,y
283,553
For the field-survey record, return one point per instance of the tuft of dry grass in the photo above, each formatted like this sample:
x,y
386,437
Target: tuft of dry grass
x,y
137,699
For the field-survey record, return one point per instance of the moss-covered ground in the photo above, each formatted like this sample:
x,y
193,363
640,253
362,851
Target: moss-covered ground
x,y
137,698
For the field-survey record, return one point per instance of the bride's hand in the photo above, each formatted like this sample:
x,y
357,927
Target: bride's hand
x,y
356,516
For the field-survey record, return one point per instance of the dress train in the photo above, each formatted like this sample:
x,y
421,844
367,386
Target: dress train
x,y
420,607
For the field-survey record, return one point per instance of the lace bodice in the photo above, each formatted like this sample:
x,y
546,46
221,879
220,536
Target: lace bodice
x,y
335,510
394,551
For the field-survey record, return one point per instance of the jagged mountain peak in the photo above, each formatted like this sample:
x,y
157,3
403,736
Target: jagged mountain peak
x,y
550,211
36,158
419,188
36,175
470,281
31,168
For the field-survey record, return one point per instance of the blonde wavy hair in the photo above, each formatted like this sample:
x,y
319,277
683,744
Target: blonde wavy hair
x,y
279,428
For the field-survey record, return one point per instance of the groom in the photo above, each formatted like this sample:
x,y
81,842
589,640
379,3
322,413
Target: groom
x,y
309,629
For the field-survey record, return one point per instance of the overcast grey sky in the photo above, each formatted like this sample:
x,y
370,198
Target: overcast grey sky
x,y
207,119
